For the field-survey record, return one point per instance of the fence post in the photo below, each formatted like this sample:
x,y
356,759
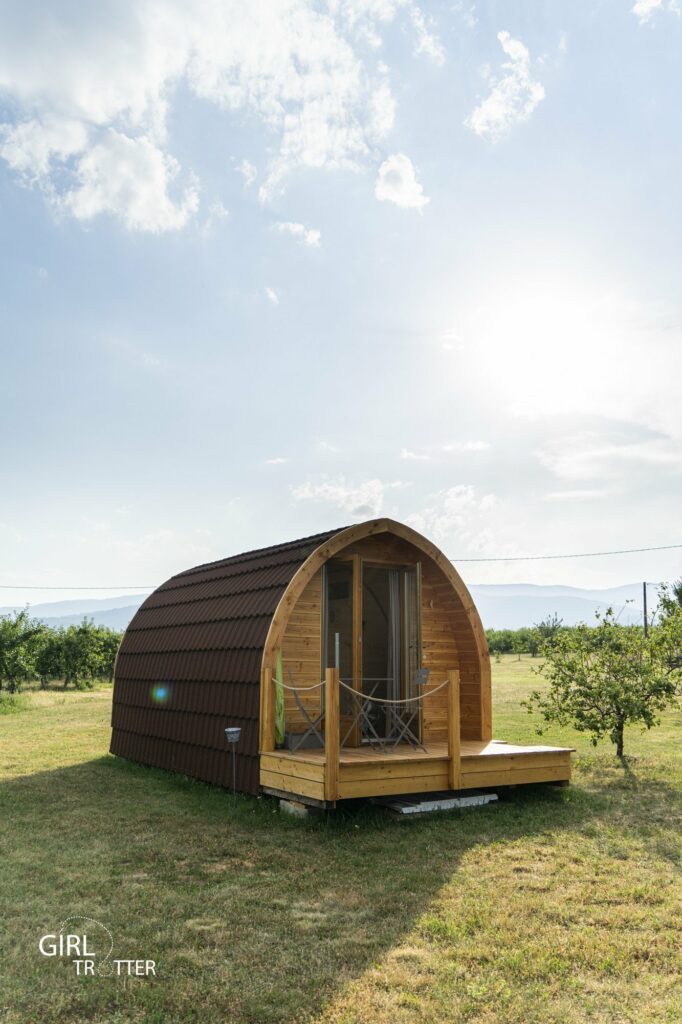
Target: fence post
x,y
331,734
454,762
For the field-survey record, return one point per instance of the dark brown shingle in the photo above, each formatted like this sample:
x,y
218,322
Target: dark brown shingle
x,y
189,664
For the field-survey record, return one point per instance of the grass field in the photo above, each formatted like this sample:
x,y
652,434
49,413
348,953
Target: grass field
x,y
558,905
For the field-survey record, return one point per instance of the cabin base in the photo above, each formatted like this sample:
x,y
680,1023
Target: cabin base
x,y
294,807
423,803
285,796
364,772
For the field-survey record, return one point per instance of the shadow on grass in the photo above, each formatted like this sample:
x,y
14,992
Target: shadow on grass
x,y
250,915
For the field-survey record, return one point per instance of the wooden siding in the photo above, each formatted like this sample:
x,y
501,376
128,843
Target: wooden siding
x,y
293,774
447,640
302,654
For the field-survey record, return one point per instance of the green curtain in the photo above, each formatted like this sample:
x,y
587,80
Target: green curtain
x,y
279,702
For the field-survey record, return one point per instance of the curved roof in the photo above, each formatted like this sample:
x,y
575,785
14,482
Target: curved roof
x,y
201,629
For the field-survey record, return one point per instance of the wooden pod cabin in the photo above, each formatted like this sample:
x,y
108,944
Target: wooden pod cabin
x,y
354,662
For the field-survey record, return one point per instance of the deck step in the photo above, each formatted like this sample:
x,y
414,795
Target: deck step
x,y
427,803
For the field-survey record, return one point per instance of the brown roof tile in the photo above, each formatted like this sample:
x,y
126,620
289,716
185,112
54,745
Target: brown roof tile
x,y
189,664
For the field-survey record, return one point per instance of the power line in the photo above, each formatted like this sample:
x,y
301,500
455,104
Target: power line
x,y
35,586
512,558
582,554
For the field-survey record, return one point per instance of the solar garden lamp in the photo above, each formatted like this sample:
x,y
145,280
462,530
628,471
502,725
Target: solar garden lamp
x,y
232,734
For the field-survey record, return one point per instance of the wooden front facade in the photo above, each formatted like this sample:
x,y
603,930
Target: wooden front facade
x,y
331,624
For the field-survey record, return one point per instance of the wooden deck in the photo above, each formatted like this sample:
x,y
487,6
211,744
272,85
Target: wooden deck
x,y
366,772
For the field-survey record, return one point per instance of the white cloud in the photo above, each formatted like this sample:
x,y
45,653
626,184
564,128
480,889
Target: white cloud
x,y
576,495
397,183
30,147
277,461
434,451
365,499
467,13
272,295
248,172
405,453
364,18
92,93
589,456
451,339
306,236
644,10
129,178
217,213
466,446
426,40
512,98
461,515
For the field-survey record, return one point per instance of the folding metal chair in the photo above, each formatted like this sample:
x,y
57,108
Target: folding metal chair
x,y
362,717
312,723
401,726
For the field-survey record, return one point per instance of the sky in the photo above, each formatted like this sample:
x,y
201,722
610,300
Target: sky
x,y
277,267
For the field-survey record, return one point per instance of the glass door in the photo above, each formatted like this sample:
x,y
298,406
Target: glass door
x,y
371,634
390,639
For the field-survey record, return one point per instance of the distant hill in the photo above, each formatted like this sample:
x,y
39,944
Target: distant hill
x,y
114,618
114,612
511,606
502,605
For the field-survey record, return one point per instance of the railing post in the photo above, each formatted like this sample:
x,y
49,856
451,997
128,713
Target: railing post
x,y
454,762
331,734
267,711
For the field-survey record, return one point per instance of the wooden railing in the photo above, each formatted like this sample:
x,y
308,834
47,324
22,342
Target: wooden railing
x,y
332,725
331,734
454,762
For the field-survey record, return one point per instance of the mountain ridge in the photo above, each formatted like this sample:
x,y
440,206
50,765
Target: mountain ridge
x,y
501,605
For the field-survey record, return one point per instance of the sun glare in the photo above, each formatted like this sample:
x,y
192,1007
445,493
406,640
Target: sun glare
x,y
548,348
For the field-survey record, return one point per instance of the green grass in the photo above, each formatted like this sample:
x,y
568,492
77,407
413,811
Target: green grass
x,y
556,905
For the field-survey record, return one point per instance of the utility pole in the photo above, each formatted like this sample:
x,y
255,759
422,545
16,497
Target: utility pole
x,y
646,624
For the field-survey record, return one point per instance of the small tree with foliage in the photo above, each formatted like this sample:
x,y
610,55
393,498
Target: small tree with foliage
x,y
49,657
500,641
606,677
519,643
548,628
668,630
109,643
18,634
82,654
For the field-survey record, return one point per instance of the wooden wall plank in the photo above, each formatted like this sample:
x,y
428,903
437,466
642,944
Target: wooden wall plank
x,y
290,766
386,787
289,784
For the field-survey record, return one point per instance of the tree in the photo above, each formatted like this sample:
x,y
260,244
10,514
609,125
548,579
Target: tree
x,y
49,658
500,641
548,628
110,641
669,618
669,598
605,677
519,643
82,654
17,648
